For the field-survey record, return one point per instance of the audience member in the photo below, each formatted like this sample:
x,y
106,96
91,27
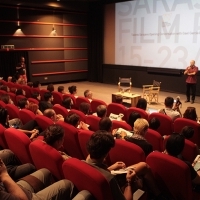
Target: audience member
x,y
61,89
6,99
20,92
85,108
140,128
154,123
34,108
30,84
187,132
119,99
133,117
73,90
36,95
36,84
88,94
25,190
50,113
101,111
174,147
15,169
190,113
98,146
67,103
23,103
4,88
142,104
173,113
50,87
105,124
47,103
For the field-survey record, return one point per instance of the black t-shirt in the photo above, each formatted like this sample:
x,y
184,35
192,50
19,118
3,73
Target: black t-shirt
x,y
21,71
43,105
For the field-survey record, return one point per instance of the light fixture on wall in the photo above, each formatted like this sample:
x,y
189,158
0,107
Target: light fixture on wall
x,y
53,32
18,31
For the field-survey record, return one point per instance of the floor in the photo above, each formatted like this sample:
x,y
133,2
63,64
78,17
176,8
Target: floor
x,y
103,91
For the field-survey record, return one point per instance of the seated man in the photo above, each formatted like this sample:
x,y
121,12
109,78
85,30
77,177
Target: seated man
x,y
40,189
47,103
88,94
98,147
173,113
105,124
101,111
23,103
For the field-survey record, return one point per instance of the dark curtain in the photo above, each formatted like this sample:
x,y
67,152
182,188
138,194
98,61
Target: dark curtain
x,y
9,61
95,41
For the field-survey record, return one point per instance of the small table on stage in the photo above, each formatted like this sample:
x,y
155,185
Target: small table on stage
x,y
134,97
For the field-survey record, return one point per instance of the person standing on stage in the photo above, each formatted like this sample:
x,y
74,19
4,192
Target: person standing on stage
x,y
191,80
21,70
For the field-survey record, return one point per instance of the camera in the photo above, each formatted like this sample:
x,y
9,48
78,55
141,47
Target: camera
x,y
177,102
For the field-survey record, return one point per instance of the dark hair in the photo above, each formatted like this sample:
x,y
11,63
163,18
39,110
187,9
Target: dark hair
x,y
50,87
53,133
30,84
4,88
190,113
142,104
132,118
119,99
72,89
3,117
36,84
19,92
175,144
47,96
105,124
35,95
67,102
169,101
187,132
84,108
101,111
100,144
61,88
22,103
72,119
154,123
5,98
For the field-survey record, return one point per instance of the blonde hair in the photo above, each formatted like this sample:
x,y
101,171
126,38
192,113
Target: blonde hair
x,y
140,126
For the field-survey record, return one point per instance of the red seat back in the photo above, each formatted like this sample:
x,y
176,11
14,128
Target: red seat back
x,y
176,179
93,121
27,90
3,142
142,113
13,97
73,99
71,143
32,100
121,124
34,90
43,121
155,139
180,123
83,137
95,103
79,170
13,111
42,93
60,110
2,92
79,113
127,152
45,156
57,97
11,85
26,115
116,108
2,104
18,142
80,100
166,123
18,97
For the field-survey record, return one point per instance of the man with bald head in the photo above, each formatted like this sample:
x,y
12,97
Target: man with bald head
x,y
191,81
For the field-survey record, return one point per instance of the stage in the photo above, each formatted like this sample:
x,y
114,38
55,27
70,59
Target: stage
x,y
104,92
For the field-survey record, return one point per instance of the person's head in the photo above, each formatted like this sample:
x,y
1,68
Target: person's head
x,y
22,59
101,111
14,79
54,136
61,89
4,117
67,103
50,87
5,98
169,102
84,108
9,78
192,63
72,89
190,113
72,119
88,94
36,84
175,144
33,107
50,113
187,132
105,124
154,123
119,99
141,126
36,95
4,88
142,103
133,117
99,144
30,84
23,103
48,96
20,92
